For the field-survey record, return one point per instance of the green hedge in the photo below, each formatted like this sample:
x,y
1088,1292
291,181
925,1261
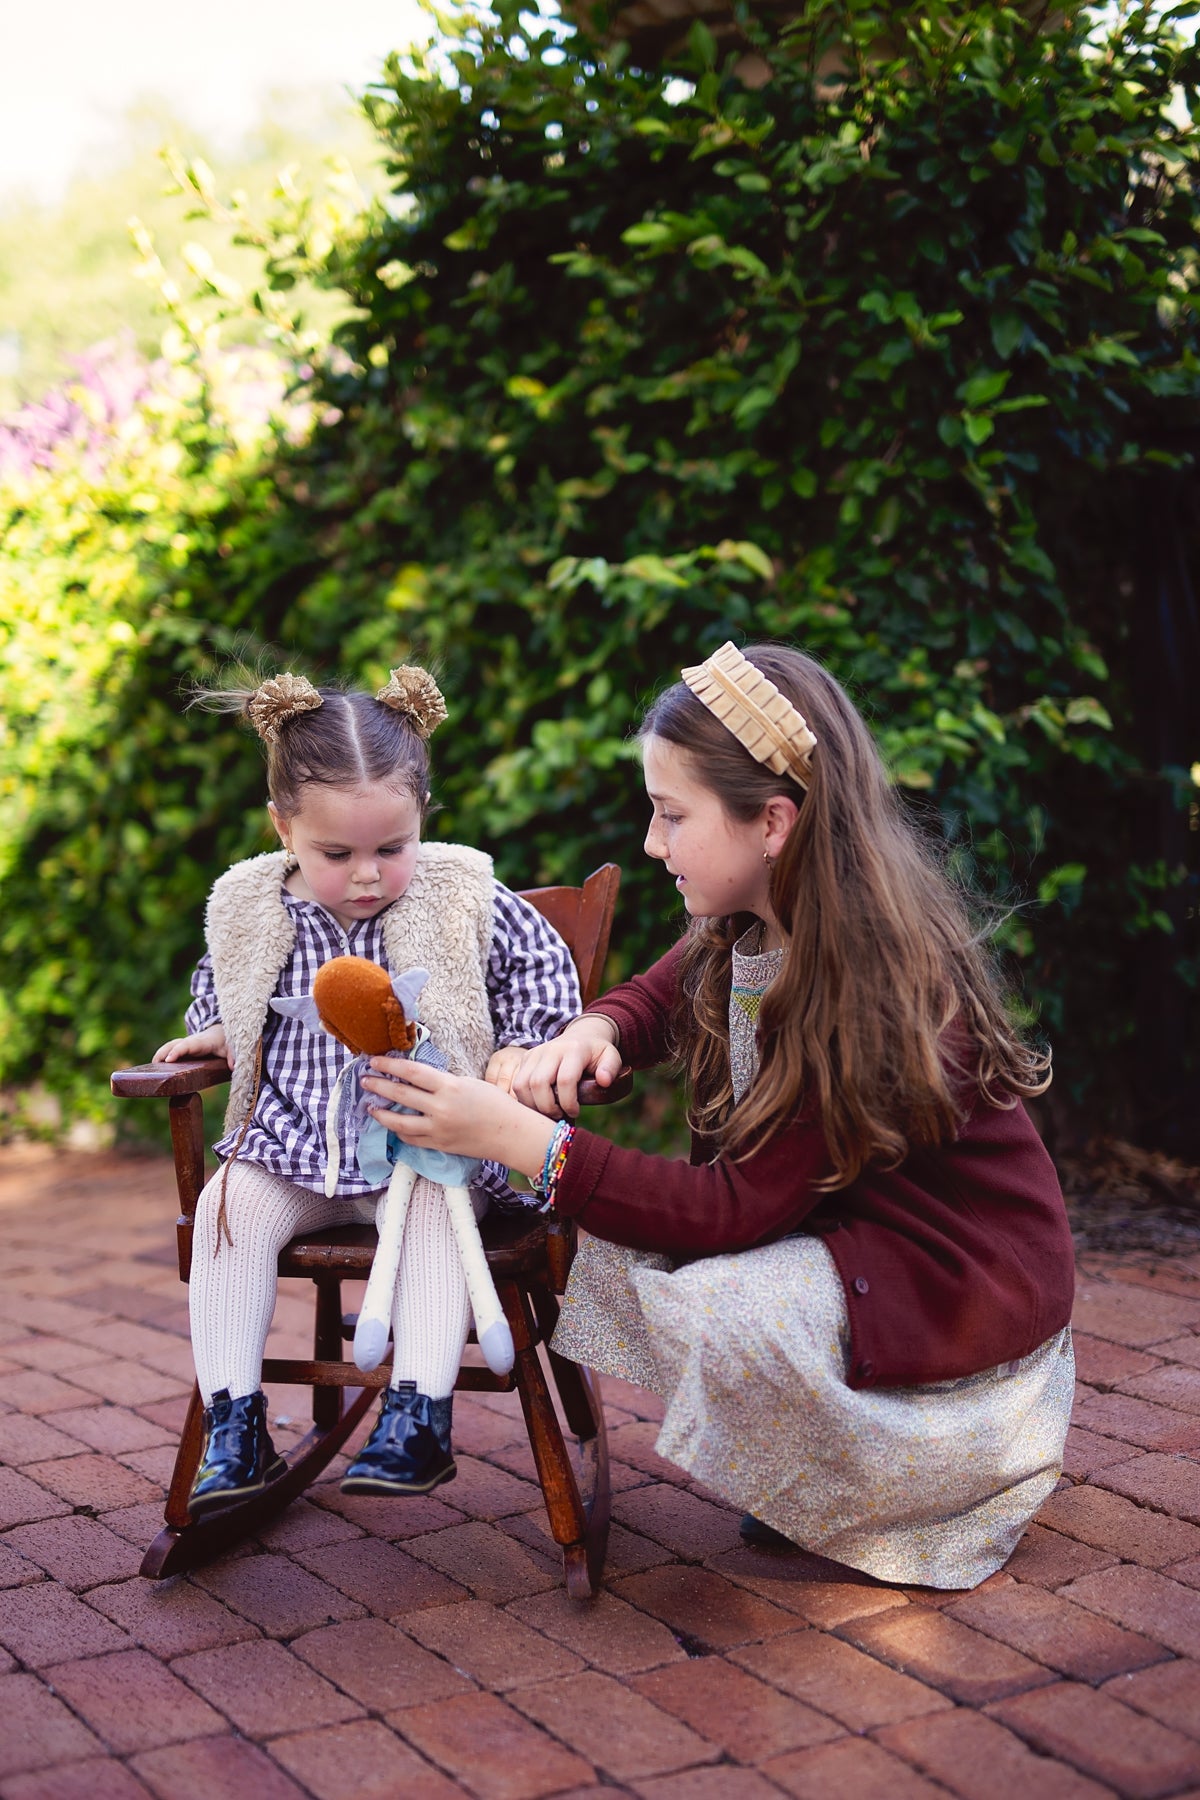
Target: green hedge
x,y
894,368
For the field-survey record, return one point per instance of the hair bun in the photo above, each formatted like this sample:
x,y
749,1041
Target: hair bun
x,y
276,701
415,695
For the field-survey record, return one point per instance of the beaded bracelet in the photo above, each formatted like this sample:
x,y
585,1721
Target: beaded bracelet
x,y
556,1159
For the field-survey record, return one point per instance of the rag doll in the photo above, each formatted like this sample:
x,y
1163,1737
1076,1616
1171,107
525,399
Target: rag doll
x,y
375,1014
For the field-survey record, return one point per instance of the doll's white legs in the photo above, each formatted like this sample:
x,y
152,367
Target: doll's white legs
x,y
432,1308
231,1296
491,1326
375,1314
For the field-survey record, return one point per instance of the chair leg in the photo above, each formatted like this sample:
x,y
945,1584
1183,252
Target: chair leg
x,y
327,1347
578,1388
579,1392
578,1511
187,1461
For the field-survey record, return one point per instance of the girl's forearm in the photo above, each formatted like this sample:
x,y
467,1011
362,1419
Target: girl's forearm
x,y
524,1145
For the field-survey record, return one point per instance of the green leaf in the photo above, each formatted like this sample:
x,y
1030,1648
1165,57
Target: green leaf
x,y
1085,710
756,559
988,721
1066,876
648,233
1008,329
654,570
986,386
702,43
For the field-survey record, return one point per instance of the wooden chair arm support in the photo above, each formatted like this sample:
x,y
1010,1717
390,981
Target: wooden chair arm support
x,y
163,1081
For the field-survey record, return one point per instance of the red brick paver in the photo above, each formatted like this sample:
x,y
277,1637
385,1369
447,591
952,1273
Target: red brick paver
x,y
363,1761
1099,1736
264,1690
498,1753
38,1729
133,1702
356,1649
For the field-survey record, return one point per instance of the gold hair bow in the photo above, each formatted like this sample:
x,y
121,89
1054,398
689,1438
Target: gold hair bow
x,y
415,695
276,701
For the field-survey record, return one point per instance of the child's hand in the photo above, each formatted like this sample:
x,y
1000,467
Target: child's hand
x,y
503,1066
201,1043
549,1076
456,1113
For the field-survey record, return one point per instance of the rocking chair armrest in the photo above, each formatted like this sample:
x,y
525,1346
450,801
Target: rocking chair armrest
x,y
592,1094
155,1081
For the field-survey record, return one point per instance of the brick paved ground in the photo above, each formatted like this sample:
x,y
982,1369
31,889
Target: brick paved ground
x,y
426,1649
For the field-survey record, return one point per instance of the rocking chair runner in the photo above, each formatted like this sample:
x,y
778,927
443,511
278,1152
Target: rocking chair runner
x,y
529,1256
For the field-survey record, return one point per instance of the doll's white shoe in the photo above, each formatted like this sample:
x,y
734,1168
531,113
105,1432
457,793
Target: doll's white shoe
x,y
496,1342
371,1337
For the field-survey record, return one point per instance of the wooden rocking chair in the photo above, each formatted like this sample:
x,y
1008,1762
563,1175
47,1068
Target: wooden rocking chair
x,y
529,1255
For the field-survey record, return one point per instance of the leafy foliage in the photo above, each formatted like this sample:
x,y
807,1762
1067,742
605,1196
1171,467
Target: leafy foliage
x,y
886,362
112,804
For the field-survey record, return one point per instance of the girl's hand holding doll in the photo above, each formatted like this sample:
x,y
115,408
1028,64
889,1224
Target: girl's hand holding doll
x,y
457,1114
549,1076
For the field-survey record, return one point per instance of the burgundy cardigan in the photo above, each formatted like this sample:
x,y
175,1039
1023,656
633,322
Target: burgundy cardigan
x,y
956,1261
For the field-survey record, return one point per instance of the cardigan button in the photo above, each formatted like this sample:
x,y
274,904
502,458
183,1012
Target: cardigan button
x,y
861,1285
866,1371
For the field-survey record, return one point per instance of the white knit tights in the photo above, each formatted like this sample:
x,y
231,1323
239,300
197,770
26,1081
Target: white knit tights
x,y
231,1295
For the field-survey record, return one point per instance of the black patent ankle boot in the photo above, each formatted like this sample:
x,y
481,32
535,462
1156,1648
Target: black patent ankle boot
x,y
238,1458
409,1450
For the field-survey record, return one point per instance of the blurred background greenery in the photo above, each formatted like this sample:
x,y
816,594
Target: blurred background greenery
x,y
67,264
894,355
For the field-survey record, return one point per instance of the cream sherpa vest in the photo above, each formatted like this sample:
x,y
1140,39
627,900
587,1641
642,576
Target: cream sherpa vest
x,y
442,922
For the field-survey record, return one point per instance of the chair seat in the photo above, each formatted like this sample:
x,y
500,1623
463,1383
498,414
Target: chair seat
x,y
515,1242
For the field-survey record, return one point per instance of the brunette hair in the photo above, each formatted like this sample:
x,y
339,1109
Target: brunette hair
x,y
886,1019
349,740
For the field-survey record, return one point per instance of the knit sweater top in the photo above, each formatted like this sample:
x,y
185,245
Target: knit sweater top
x,y
958,1260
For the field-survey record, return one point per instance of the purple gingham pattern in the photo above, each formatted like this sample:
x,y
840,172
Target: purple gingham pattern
x,y
532,991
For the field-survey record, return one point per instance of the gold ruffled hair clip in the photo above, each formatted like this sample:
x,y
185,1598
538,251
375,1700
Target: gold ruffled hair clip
x,y
411,692
276,701
415,694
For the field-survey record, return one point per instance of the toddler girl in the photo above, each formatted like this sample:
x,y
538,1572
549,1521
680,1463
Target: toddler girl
x,y
348,777
855,1298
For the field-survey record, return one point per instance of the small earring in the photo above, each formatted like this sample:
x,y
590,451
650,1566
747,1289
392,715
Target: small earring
x,y
767,858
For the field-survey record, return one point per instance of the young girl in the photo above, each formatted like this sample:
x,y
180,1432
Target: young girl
x,y
855,1299
348,777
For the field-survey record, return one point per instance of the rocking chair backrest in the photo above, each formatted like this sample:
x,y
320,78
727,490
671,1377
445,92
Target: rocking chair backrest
x,y
583,917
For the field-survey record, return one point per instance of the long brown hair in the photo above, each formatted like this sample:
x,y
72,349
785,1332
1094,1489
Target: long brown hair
x,y
886,1020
